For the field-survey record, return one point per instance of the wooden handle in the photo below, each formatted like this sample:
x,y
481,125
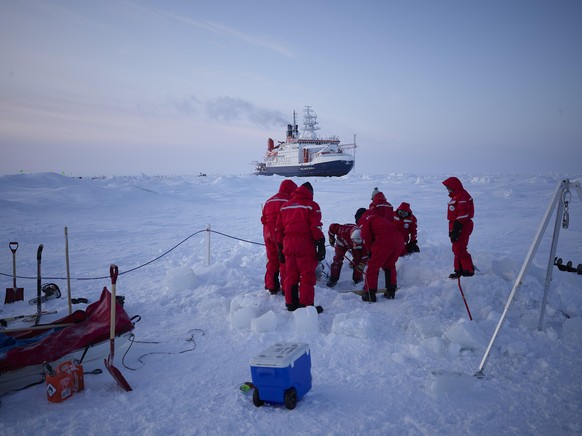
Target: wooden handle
x,y
36,327
113,272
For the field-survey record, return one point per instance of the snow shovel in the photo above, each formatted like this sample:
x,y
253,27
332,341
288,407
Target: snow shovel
x,y
109,361
13,294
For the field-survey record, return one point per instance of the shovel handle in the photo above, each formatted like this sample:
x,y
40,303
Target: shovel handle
x,y
113,272
13,247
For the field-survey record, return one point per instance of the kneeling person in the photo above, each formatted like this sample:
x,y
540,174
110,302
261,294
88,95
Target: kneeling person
x,y
346,238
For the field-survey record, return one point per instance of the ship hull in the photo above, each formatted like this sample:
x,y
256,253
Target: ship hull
x,y
320,169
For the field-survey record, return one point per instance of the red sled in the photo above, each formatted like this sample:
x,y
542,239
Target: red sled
x,y
83,335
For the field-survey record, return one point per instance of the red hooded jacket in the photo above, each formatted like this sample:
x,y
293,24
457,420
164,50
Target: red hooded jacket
x,y
381,207
300,217
273,206
461,204
407,225
341,234
376,230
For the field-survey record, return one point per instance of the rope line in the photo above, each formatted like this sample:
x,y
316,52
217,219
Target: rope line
x,y
140,266
132,339
234,237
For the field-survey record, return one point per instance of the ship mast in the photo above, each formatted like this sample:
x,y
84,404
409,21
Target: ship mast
x,y
310,124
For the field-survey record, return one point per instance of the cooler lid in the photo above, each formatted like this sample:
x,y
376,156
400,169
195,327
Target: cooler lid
x,y
280,355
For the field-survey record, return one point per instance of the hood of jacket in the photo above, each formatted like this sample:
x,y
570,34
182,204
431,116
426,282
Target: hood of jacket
x,y
379,198
453,184
303,193
405,207
287,187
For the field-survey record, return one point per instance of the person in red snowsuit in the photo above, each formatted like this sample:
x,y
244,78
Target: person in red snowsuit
x,y
344,238
405,222
302,246
269,221
381,206
384,243
460,213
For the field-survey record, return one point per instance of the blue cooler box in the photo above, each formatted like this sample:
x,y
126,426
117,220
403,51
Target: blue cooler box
x,y
281,374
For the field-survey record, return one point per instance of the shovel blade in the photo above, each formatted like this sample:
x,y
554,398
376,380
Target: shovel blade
x,y
13,294
9,298
115,373
19,294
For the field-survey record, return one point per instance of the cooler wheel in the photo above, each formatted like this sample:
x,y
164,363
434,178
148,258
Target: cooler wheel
x,y
290,398
256,399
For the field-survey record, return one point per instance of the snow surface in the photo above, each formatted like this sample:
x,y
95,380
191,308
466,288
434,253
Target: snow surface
x,y
403,366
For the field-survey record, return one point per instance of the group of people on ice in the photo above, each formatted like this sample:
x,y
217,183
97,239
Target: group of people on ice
x,y
295,242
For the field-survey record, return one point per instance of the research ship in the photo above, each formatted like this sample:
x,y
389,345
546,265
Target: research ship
x,y
306,154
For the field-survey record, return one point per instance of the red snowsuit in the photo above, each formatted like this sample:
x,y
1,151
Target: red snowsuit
x,y
298,228
340,237
269,221
406,225
384,244
381,207
460,210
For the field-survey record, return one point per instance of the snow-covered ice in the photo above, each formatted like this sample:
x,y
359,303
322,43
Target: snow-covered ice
x,y
403,366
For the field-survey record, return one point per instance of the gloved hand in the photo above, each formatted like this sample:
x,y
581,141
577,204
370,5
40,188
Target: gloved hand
x,y
280,254
454,234
331,240
320,246
412,247
361,266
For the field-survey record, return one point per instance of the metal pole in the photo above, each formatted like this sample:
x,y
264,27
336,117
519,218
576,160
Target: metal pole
x,y
556,235
529,258
208,245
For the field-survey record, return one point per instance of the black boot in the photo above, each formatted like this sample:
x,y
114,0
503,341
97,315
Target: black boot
x,y
390,292
387,278
318,308
456,274
369,295
277,284
294,298
331,283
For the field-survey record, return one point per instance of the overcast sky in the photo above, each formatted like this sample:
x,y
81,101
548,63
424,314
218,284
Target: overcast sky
x,y
182,87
